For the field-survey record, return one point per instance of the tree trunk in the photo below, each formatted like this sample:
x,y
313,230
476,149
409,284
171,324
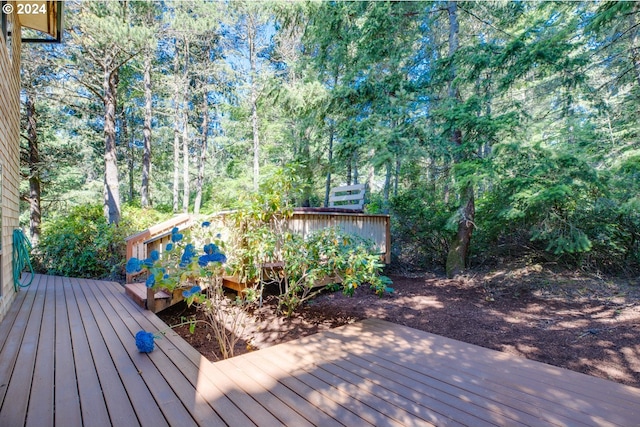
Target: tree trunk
x,y
185,131
35,214
327,186
354,168
131,150
396,176
332,132
176,132
131,165
185,158
145,199
387,187
251,39
458,256
203,153
305,171
111,180
454,28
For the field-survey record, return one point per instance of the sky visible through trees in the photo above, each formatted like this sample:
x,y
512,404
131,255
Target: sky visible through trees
x,y
485,129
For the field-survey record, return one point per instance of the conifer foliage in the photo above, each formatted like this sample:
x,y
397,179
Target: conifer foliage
x,y
481,128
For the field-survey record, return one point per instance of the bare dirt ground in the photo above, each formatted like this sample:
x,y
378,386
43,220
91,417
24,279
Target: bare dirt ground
x,y
577,321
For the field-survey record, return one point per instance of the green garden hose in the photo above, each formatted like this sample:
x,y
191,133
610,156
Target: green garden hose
x,y
21,258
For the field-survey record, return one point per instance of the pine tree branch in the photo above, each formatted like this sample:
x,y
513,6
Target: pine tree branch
x,y
485,22
615,40
129,58
87,85
615,79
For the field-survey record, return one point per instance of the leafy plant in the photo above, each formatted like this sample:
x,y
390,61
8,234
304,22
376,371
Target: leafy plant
x,y
183,265
262,250
257,229
325,258
81,243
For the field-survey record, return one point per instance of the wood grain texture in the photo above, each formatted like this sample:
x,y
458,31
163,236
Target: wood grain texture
x,y
68,358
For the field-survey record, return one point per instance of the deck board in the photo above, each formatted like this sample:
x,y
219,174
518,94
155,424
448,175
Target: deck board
x,y
40,409
67,399
93,405
186,377
17,395
68,358
120,407
147,411
558,388
162,396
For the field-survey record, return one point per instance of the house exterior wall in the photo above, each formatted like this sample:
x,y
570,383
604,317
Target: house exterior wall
x,y
9,155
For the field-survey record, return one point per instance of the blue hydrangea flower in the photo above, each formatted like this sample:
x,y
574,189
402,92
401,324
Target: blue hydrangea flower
x,y
133,265
206,224
218,257
147,262
169,247
155,255
187,256
166,276
175,236
211,248
189,292
151,280
144,341
205,259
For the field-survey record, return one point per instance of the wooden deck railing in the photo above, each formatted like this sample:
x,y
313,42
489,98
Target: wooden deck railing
x,y
140,245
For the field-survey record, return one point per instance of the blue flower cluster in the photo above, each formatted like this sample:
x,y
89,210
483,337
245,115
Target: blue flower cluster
x,y
175,236
133,265
190,292
211,254
144,341
211,249
205,259
187,256
158,275
151,281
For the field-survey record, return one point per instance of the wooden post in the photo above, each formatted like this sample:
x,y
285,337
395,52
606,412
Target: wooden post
x,y
151,300
387,255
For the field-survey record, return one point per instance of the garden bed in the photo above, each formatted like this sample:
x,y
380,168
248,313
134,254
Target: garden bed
x,y
581,322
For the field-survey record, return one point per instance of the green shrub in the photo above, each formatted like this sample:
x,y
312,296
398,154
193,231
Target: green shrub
x,y
81,243
327,257
259,235
418,226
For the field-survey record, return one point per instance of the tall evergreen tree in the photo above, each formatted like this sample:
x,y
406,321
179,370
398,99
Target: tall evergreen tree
x,y
102,41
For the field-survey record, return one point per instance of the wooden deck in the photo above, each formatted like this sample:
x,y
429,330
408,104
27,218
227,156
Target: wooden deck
x,y
68,358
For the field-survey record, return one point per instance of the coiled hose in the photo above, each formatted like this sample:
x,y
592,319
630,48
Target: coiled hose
x,y
21,258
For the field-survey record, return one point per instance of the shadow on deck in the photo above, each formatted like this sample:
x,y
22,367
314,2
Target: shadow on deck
x,y
68,358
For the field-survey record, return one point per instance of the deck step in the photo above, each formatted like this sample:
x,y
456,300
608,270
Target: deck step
x,y
138,293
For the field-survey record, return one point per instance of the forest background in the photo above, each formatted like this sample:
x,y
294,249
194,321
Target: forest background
x,y
488,130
